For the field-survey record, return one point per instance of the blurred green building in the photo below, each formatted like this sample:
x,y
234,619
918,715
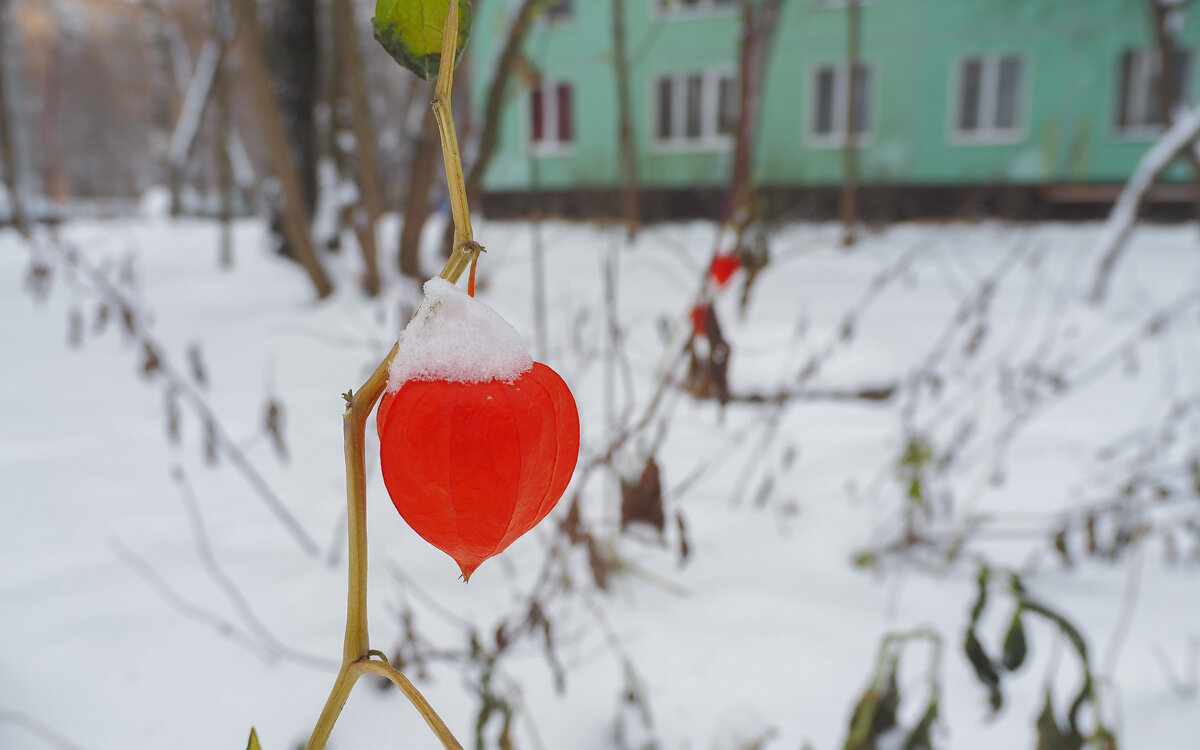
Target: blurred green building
x,y
1021,106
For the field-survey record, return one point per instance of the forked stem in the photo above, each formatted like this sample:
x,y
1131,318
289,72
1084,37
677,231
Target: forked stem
x,y
356,656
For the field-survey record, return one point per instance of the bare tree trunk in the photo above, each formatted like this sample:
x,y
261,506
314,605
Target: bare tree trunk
x,y
370,185
11,101
850,147
629,176
293,56
225,182
166,97
295,217
495,101
758,28
224,28
541,337
54,181
422,173
1170,90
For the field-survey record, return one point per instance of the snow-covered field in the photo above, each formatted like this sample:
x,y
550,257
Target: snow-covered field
x,y
119,551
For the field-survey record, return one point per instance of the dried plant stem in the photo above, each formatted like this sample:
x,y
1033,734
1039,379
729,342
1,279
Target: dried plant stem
x,y
443,111
356,652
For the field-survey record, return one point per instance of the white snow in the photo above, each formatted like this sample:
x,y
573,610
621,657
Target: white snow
x,y
457,338
325,220
767,632
155,202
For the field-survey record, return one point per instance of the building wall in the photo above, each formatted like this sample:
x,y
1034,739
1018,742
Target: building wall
x,y
1067,101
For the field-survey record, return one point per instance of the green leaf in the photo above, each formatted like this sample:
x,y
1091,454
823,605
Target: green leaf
x,y
411,32
875,712
921,736
985,671
1015,647
253,743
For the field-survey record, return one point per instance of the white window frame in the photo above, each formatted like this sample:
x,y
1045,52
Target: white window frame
x,y
836,138
989,85
710,102
551,143
703,9
1140,91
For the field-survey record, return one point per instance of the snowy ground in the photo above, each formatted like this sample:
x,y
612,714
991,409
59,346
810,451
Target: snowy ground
x,y
114,634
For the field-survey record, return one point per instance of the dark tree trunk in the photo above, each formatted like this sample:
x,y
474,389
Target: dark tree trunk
x,y
759,22
166,97
225,185
15,177
294,214
850,147
292,55
1170,91
422,173
629,184
370,183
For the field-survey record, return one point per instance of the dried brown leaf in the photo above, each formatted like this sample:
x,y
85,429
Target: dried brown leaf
x,y
151,362
75,328
273,419
210,442
173,416
685,548
196,365
642,501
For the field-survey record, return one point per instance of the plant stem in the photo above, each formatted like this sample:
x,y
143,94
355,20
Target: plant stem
x,y
356,660
354,422
342,686
414,697
349,674
442,110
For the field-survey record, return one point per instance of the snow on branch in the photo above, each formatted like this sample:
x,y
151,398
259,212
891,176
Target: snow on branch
x,y
1119,225
194,98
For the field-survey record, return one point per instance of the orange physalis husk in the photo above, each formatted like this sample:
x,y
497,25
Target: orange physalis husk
x,y
473,466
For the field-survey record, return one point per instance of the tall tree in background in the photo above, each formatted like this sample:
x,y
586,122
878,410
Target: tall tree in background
x,y
365,218
759,20
629,184
294,214
1169,52
12,152
225,178
292,55
422,172
165,106
850,145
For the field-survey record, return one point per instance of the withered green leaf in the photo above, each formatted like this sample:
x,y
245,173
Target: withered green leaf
x,y
411,32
